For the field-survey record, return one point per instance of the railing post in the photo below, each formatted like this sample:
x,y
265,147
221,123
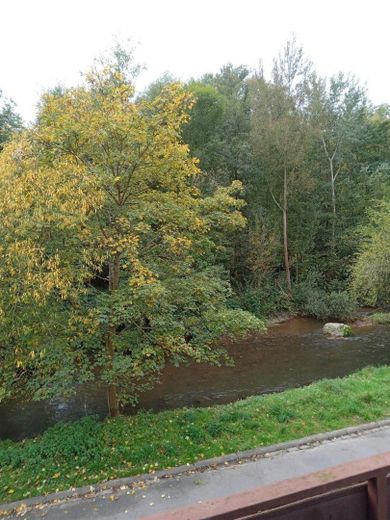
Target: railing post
x,y
377,497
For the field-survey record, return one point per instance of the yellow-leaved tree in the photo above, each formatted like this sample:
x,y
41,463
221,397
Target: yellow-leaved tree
x,y
108,249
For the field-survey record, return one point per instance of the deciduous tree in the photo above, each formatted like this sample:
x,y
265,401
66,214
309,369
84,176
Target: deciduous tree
x,y
371,271
108,249
10,121
279,132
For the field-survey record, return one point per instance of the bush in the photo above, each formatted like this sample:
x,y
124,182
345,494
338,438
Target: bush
x,y
371,271
310,298
307,289
323,305
266,299
315,304
341,305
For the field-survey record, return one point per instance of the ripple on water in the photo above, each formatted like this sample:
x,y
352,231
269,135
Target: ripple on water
x,y
291,354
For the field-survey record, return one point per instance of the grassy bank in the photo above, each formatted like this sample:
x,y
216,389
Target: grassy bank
x,y
383,318
89,451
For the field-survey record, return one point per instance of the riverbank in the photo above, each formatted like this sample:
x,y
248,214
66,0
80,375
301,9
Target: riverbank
x,y
88,451
381,318
292,354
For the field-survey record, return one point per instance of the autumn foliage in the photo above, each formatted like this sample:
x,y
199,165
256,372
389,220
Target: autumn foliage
x,y
107,245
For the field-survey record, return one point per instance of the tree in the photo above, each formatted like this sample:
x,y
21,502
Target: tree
x,y
10,121
339,112
201,133
371,271
279,132
231,154
108,249
218,135
155,88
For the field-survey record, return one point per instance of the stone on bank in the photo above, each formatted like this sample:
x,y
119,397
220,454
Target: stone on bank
x,y
338,330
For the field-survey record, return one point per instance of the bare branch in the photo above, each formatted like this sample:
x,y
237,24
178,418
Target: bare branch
x,y
338,171
276,202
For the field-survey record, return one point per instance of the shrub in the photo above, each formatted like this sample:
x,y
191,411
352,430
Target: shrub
x,y
341,305
266,299
323,305
307,288
315,304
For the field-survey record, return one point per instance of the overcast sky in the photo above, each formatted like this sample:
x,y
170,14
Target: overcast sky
x,y
46,42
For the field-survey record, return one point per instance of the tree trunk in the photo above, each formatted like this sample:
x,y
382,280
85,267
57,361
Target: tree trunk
x,y
285,234
333,177
112,391
332,182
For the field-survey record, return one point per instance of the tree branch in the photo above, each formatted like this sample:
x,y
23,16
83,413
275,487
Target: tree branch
x,y
276,202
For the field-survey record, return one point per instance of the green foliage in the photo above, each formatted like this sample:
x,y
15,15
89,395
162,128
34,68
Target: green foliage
x,y
10,121
324,305
281,412
205,119
371,271
265,300
280,137
347,331
219,126
155,88
88,451
324,133
334,148
110,253
383,318
75,441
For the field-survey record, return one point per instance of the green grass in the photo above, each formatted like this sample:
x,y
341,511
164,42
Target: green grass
x,y
89,451
382,318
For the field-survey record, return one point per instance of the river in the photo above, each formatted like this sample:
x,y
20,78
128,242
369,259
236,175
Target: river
x,y
291,354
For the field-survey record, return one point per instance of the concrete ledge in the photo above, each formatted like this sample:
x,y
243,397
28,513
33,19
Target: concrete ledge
x,y
127,482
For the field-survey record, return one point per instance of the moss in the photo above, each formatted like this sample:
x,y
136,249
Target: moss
x,y
347,331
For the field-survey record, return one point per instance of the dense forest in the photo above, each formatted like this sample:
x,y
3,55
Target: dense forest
x,y
137,229
312,155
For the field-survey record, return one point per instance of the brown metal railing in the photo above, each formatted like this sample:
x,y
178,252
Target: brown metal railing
x,y
359,490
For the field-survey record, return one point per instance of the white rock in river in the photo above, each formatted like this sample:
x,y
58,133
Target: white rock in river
x,y
339,330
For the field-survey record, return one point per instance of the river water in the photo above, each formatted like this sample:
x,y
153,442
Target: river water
x,y
291,354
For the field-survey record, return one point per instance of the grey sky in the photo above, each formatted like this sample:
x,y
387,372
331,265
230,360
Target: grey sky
x,y
44,42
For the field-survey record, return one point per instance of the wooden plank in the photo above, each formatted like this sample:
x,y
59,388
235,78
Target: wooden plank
x,y
265,498
377,497
346,504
